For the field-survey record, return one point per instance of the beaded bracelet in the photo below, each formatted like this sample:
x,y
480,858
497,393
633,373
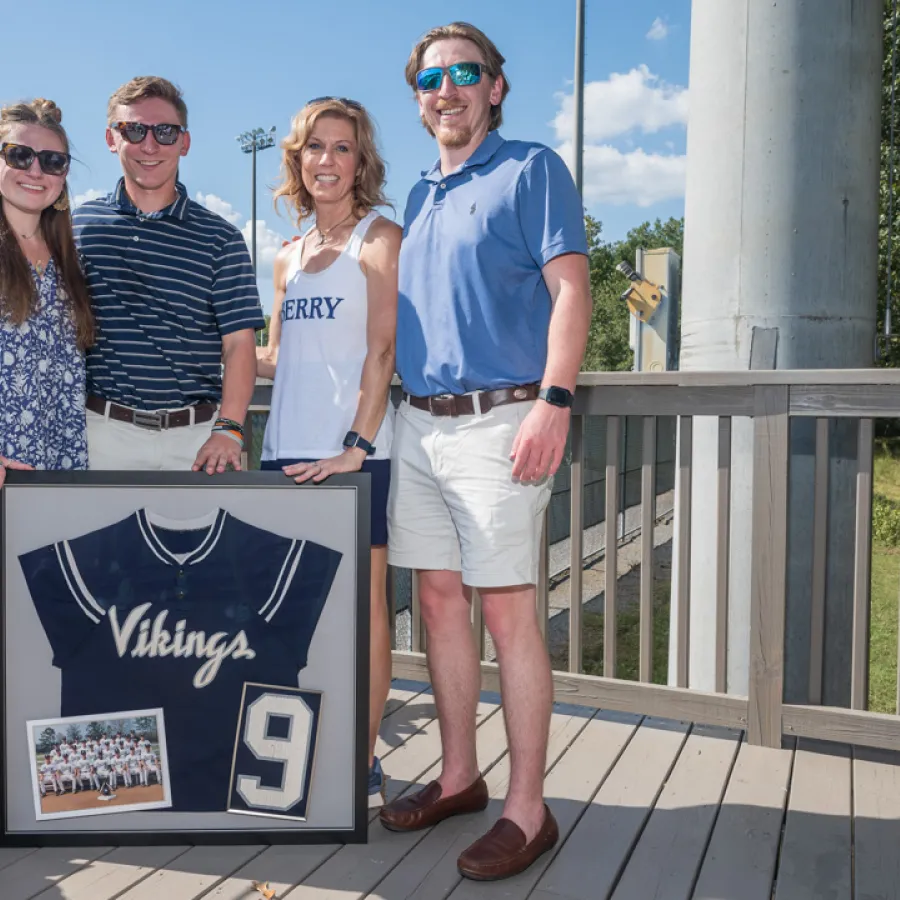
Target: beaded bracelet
x,y
230,425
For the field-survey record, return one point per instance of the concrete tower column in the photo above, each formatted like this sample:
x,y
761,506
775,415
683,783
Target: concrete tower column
x,y
781,217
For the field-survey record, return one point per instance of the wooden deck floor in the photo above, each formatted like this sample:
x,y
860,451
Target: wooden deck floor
x,y
648,809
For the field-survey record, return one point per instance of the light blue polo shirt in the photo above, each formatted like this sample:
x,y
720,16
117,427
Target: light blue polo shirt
x,y
473,309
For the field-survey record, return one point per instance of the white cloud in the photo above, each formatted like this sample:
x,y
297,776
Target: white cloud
x,y
624,106
658,30
219,206
268,243
635,100
89,194
611,176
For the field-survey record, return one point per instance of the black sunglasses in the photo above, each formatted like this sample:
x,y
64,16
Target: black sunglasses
x,y
52,162
462,74
135,132
345,100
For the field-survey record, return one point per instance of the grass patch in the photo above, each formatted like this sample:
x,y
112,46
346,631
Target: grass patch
x,y
628,641
883,628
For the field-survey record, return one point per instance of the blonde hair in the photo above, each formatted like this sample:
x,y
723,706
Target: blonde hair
x,y
145,87
368,191
17,291
492,60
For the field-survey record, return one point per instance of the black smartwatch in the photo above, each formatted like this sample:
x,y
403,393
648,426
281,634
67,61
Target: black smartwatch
x,y
557,396
352,439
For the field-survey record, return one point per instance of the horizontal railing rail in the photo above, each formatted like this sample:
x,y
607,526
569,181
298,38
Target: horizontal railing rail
x,y
770,400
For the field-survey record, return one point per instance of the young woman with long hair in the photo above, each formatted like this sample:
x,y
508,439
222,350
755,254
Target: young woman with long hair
x,y
45,311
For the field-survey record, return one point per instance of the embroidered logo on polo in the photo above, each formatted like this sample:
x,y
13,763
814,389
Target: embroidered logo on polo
x,y
309,307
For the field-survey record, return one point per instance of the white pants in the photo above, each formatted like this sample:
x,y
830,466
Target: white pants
x,y
121,445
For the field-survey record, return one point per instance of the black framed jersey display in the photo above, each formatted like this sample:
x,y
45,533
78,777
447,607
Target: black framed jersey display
x,y
184,658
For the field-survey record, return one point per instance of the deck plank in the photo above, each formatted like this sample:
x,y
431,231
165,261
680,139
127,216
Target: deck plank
x,y
9,855
401,692
429,871
34,873
403,722
568,789
669,853
111,875
356,869
192,874
815,850
876,820
740,860
281,866
588,865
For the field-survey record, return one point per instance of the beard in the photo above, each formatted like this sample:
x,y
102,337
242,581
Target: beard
x,y
454,136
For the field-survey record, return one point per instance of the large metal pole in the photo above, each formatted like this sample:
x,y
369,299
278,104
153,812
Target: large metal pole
x,y
253,211
578,139
780,271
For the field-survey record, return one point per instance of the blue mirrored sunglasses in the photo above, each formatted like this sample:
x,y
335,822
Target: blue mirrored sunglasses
x,y
462,74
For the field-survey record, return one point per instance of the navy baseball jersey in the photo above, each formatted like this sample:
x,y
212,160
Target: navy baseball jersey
x,y
149,613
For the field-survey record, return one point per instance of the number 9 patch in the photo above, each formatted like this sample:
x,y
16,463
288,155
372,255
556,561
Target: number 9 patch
x,y
274,751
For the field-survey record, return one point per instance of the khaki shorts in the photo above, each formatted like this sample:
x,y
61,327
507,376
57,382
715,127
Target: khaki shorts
x,y
453,502
121,445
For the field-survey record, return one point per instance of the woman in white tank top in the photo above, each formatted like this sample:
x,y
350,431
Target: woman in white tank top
x,y
331,338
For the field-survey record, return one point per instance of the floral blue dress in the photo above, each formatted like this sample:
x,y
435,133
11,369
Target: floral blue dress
x,y
42,383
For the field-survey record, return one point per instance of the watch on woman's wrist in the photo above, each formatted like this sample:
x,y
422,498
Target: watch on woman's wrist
x,y
557,396
352,439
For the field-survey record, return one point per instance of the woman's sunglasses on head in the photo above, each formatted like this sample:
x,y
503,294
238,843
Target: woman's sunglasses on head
x,y
135,132
462,74
18,156
353,104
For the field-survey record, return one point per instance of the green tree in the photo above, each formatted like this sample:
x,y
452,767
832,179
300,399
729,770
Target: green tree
x,y
95,731
47,739
889,259
146,725
608,349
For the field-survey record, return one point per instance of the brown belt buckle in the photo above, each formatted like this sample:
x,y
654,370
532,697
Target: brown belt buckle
x,y
442,405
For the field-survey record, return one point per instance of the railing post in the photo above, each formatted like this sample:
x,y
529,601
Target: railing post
x,y
768,577
576,542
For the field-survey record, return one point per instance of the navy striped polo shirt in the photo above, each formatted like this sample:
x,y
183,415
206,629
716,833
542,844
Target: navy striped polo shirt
x,y
165,286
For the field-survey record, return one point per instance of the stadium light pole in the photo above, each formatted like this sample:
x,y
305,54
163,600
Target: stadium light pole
x,y
578,137
251,142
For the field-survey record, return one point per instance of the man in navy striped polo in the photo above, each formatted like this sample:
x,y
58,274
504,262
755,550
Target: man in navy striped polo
x,y
176,302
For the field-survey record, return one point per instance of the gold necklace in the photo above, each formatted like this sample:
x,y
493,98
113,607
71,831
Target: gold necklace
x,y
323,235
28,237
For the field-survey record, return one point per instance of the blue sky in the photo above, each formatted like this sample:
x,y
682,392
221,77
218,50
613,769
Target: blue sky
x,y
243,65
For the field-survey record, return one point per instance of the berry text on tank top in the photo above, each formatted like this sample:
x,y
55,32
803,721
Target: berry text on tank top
x,y
310,307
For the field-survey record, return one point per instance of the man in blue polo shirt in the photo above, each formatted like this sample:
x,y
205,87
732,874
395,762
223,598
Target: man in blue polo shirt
x,y
493,314
175,298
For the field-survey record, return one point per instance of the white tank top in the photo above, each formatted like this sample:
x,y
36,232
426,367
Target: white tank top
x,y
320,358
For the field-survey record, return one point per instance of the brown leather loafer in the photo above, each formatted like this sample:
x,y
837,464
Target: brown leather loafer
x,y
427,807
503,852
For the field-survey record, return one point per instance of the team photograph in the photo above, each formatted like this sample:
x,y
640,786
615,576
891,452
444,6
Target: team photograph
x,y
85,765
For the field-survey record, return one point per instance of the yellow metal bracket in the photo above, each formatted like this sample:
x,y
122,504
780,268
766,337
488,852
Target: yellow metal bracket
x,y
643,297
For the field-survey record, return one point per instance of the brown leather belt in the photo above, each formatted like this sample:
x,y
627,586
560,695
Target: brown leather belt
x,y
464,404
157,421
